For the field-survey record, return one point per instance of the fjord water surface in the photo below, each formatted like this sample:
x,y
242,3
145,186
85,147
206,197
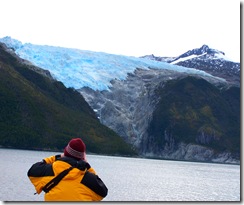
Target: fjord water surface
x,y
130,179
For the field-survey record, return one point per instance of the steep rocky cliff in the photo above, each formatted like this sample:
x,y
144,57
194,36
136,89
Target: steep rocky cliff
x,y
133,108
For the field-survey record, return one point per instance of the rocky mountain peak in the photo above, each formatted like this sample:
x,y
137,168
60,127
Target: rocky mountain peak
x,y
206,59
199,51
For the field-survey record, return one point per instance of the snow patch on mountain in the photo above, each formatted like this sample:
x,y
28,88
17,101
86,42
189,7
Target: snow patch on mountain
x,y
217,55
187,58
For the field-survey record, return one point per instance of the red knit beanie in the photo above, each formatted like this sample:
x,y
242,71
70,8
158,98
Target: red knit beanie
x,y
76,149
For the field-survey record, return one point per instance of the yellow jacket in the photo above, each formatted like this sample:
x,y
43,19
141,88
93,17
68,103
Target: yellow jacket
x,y
80,184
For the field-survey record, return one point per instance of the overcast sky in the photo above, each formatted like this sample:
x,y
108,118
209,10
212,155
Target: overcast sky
x,y
129,27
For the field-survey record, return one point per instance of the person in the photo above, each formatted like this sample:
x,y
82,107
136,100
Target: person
x,y
80,181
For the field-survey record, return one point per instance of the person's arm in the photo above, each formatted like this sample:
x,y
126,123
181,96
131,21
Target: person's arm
x,y
41,172
95,184
43,168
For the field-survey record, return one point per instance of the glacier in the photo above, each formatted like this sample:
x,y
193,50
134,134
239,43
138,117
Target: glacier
x,y
82,68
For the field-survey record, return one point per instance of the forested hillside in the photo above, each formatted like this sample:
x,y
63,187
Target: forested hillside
x,y
37,112
192,110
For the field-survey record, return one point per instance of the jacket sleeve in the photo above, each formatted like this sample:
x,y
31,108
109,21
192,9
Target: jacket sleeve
x,y
40,169
41,172
95,183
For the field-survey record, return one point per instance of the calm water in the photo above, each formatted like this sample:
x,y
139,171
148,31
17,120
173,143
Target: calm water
x,y
130,179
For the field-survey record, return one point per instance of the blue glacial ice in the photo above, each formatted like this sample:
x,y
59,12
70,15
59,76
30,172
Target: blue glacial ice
x,y
81,68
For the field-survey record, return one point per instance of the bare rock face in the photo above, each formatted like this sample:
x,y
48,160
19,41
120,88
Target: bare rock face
x,y
128,106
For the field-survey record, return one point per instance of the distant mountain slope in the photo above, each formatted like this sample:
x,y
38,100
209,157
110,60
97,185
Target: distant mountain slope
x,y
206,59
37,112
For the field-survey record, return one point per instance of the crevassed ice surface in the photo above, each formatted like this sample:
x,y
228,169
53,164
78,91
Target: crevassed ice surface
x,y
80,68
